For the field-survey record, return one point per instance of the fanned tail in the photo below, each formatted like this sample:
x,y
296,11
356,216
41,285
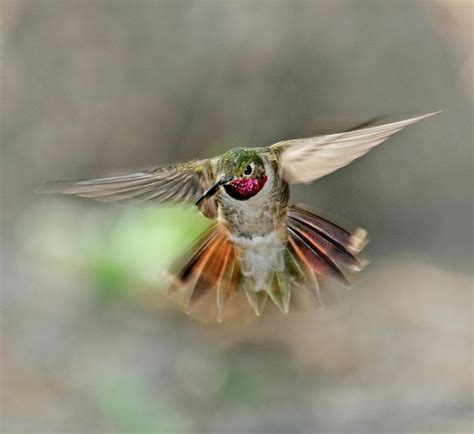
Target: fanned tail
x,y
316,247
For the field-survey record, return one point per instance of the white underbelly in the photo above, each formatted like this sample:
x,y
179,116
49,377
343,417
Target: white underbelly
x,y
260,257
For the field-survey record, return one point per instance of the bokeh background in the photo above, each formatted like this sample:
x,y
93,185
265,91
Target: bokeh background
x,y
90,344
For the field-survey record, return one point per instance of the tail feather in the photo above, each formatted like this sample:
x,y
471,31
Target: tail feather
x,y
257,300
184,266
307,277
225,273
210,264
354,242
325,245
315,247
280,290
316,260
206,270
225,283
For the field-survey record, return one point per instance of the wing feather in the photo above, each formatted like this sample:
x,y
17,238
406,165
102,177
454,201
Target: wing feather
x,y
177,183
305,160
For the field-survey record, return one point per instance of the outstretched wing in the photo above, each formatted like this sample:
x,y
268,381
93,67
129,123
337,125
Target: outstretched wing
x,y
305,160
177,183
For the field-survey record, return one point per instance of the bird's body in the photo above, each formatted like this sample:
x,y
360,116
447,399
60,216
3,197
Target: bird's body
x,y
259,245
257,225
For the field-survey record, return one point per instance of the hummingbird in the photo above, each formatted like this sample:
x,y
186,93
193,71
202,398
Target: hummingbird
x,y
258,244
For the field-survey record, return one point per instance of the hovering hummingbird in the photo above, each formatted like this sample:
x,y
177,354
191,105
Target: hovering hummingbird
x,y
258,244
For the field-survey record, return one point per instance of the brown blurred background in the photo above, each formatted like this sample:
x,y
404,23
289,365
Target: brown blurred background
x,y
89,342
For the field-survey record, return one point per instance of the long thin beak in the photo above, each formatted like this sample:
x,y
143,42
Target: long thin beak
x,y
213,189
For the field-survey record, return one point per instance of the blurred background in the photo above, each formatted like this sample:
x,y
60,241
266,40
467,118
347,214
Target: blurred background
x,y
90,343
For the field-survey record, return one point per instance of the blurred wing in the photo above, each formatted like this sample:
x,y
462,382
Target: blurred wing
x,y
305,160
178,183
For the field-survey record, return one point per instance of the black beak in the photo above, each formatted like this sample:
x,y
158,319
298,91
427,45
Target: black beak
x,y
213,189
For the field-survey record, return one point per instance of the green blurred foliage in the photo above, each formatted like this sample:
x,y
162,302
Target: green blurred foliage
x,y
118,251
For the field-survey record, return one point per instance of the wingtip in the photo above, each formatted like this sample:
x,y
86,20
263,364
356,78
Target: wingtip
x,y
414,119
52,187
428,115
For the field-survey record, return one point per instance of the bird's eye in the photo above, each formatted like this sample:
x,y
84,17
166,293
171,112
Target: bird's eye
x,y
249,170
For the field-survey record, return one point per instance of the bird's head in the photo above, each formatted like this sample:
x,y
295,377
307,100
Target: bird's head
x,y
241,172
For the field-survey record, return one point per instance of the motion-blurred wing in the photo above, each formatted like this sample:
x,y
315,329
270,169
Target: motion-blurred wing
x,y
305,160
178,183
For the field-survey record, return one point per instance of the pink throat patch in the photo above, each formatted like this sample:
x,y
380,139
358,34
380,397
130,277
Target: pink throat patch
x,y
245,188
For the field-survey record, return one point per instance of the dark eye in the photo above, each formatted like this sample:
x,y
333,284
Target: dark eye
x,y
248,170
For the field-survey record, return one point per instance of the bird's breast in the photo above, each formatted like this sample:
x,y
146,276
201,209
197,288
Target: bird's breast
x,y
248,219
